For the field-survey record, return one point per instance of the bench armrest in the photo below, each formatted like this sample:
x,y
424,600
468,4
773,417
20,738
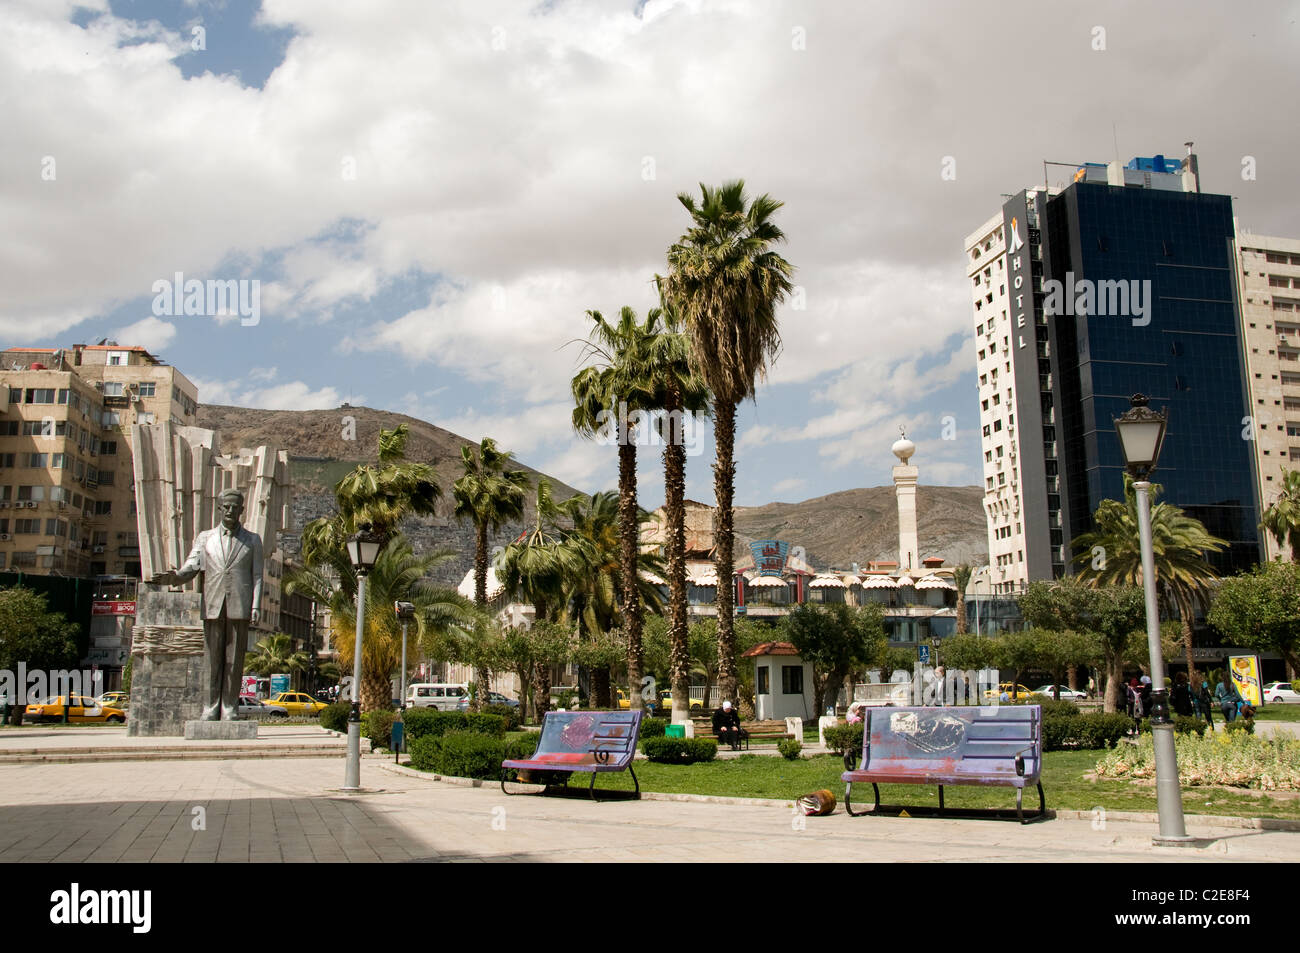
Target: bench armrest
x,y
1020,759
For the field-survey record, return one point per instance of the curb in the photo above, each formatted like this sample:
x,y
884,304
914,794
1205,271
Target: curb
x,y
1134,817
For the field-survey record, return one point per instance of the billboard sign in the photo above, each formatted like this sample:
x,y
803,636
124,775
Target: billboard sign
x,y
279,683
769,556
112,608
1245,675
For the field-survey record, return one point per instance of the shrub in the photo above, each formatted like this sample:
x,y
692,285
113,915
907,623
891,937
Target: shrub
x,y
1243,724
523,747
378,727
335,716
429,722
461,754
510,713
679,750
653,727
789,748
1085,732
845,738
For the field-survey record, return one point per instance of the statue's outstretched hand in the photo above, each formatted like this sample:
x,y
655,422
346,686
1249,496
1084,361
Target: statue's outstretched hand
x,y
165,578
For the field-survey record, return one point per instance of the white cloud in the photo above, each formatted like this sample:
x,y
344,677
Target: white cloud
x,y
288,395
148,333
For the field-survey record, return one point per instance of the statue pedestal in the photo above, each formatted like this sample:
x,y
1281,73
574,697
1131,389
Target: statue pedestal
x,y
169,675
220,730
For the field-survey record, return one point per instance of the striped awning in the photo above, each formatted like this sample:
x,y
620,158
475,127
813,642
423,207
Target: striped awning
x,y
934,582
905,580
827,582
879,582
766,582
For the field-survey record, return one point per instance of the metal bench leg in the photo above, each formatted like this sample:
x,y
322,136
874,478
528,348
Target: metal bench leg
x,y
637,784
941,798
1020,792
848,800
591,788
1042,805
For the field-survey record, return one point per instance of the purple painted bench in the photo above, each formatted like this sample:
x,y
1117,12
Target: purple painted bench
x,y
576,742
991,745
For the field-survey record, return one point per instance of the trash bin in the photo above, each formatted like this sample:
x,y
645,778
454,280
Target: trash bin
x,y
674,731
399,732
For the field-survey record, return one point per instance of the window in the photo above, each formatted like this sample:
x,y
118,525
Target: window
x,y
58,460
31,493
144,418
116,358
110,419
6,461
38,428
791,679
40,395
113,388
8,428
104,508
38,460
106,477
23,560
147,388
997,425
29,527
764,680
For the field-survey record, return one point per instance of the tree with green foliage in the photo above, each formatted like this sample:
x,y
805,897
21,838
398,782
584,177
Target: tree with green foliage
x,y
961,579
30,633
1111,554
1282,518
1261,610
1112,613
275,654
895,659
968,652
836,639
726,280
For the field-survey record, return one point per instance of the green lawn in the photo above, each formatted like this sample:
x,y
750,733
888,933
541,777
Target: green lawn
x,y
1063,783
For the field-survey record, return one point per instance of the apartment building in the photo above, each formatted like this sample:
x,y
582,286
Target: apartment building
x,y
1119,283
1269,276
72,413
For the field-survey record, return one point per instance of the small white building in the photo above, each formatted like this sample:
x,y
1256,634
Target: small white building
x,y
783,682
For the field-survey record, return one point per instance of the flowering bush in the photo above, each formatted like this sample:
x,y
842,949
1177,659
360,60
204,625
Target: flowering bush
x,y
1234,759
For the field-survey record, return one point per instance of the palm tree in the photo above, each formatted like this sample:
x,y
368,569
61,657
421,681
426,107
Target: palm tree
x,y
382,495
618,385
726,282
398,575
489,494
680,392
273,654
961,577
1111,554
539,567
1282,518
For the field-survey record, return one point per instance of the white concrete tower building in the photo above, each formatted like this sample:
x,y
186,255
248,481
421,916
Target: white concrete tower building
x,y
905,490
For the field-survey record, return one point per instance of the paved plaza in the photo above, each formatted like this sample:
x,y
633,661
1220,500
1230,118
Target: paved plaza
x,y
290,810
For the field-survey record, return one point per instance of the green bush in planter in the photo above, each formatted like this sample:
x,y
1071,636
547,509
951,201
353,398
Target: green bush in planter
x,y
378,727
509,712
679,750
523,747
845,738
653,727
789,748
422,722
335,716
461,754
1085,732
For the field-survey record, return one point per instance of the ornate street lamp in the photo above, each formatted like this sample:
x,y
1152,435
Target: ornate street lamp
x,y
1141,433
363,550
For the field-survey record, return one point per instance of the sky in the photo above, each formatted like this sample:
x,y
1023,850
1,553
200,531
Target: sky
x,y
432,196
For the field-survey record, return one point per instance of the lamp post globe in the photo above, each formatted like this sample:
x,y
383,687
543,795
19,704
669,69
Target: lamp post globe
x,y
1141,433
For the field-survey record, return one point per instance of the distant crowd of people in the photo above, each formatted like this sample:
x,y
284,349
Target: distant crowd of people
x,y
1191,699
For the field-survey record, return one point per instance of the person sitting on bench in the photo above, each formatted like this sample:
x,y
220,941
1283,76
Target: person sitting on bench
x,y
726,726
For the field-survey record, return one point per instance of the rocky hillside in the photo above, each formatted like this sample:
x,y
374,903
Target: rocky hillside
x,y
859,525
835,530
324,445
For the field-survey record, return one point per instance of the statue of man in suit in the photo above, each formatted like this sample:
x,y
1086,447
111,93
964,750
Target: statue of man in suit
x,y
230,559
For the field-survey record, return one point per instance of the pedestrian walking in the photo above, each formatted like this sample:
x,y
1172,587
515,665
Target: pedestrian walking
x,y
1180,699
1201,698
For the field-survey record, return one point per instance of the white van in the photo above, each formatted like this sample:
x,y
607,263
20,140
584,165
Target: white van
x,y
444,696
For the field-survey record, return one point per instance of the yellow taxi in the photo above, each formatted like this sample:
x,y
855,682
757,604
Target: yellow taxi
x,y
115,699
81,711
297,703
665,702
993,694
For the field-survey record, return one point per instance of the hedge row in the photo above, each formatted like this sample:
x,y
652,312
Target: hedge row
x,y
335,716
469,754
653,727
679,750
430,722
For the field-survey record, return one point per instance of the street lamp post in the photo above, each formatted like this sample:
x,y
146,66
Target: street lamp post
x,y
1141,432
363,550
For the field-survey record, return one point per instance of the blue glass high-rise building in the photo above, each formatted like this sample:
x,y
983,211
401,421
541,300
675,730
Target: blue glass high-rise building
x,y
1123,282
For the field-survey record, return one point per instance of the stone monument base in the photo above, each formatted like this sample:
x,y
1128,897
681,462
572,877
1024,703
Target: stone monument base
x,y
220,730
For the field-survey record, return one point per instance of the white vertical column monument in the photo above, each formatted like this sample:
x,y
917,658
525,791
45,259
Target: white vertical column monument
x,y
905,490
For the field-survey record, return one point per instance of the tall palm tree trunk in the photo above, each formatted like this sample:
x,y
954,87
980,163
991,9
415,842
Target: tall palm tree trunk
x,y
482,677
629,533
675,510
1186,613
724,480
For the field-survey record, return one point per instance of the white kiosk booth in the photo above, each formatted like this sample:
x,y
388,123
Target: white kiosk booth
x,y
783,682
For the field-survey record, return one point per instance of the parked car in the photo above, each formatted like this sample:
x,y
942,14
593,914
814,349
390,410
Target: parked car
x,y
81,711
494,698
115,699
1066,692
1281,692
297,703
444,696
255,708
